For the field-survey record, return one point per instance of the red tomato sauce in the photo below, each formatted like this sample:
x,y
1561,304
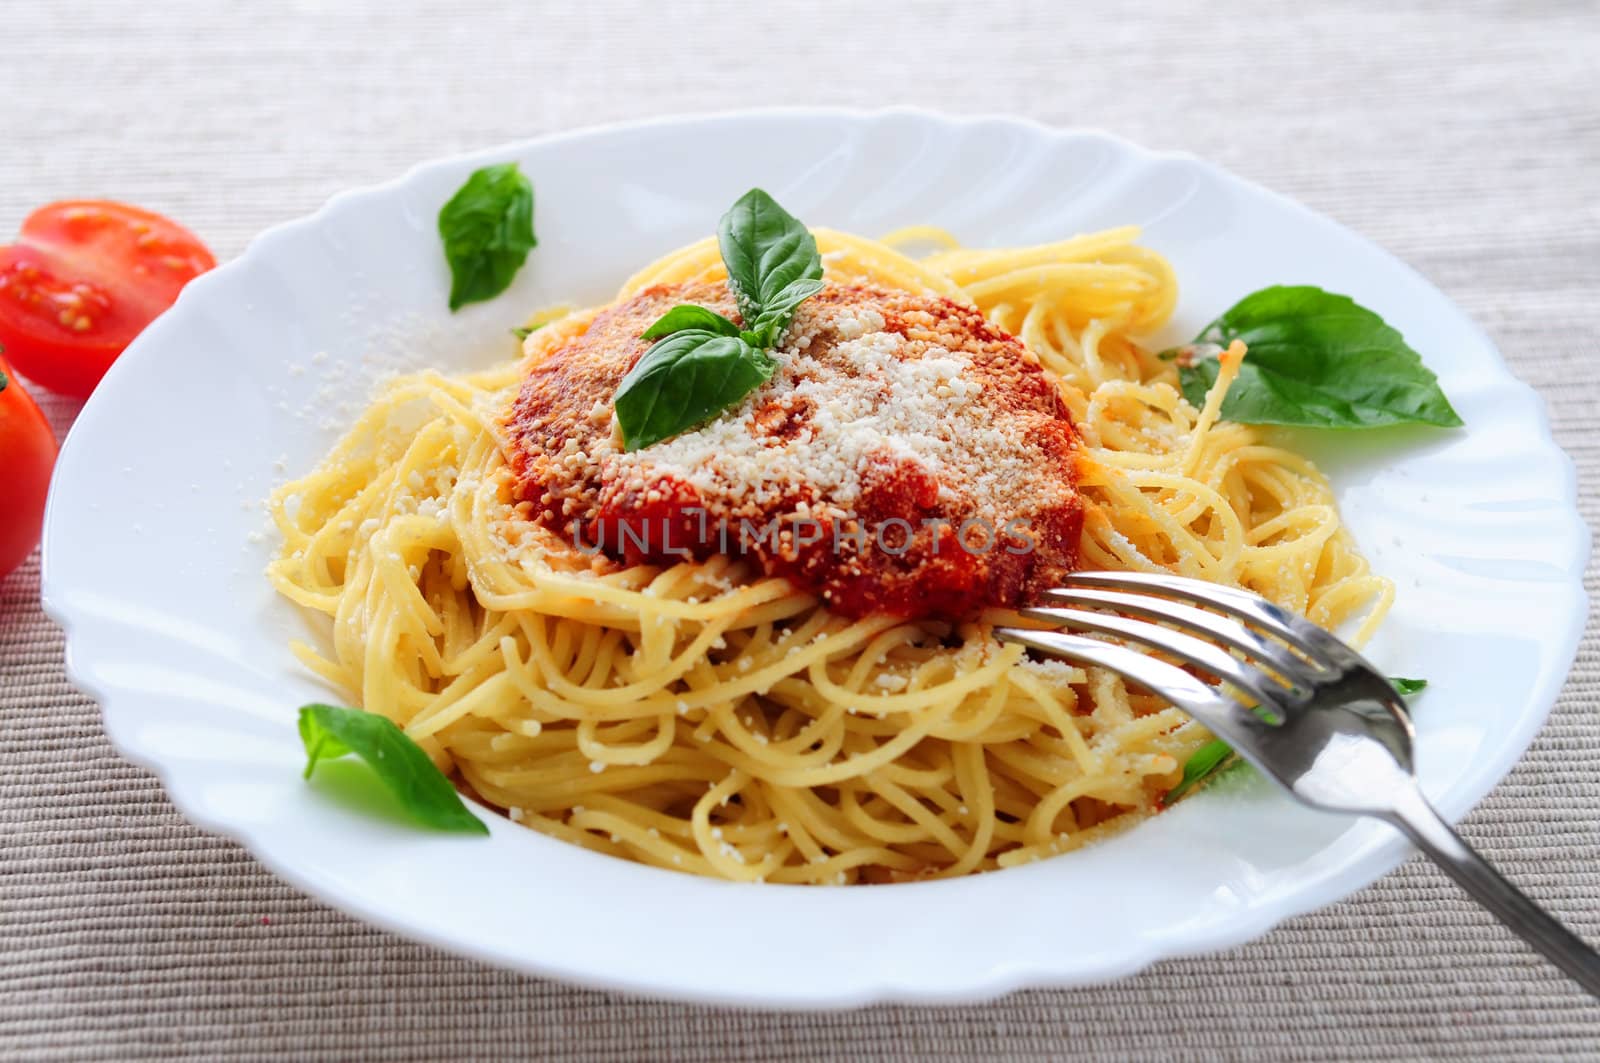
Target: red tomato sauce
x,y
916,538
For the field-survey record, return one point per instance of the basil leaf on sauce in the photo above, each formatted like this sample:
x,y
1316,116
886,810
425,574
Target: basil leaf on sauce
x,y
776,314
684,380
524,331
1216,756
689,316
487,229
766,249
1316,359
329,731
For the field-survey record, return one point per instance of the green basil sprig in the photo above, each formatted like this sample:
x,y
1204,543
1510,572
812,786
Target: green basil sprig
x,y
329,731
1216,757
688,317
1316,359
685,379
488,231
769,255
703,363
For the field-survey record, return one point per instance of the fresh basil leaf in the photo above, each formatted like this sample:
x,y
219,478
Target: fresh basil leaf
x,y
329,731
1317,359
488,231
688,316
1407,686
1201,765
766,249
776,314
525,331
685,379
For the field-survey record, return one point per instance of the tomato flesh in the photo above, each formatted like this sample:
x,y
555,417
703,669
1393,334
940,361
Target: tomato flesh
x,y
83,279
29,450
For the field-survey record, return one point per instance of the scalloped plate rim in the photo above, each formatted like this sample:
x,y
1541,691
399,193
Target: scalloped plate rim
x,y
999,977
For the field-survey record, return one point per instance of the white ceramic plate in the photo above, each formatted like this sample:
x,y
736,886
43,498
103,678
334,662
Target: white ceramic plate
x,y
154,553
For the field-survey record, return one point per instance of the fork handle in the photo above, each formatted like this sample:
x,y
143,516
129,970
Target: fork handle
x,y
1429,831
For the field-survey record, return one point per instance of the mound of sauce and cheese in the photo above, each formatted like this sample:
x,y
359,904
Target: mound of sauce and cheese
x,y
916,459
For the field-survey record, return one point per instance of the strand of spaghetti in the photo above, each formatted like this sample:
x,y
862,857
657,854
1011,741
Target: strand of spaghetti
x,y
920,234
728,861
1228,364
1081,753
878,704
963,266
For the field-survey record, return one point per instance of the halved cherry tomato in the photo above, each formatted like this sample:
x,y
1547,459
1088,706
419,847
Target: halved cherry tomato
x,y
83,279
27,454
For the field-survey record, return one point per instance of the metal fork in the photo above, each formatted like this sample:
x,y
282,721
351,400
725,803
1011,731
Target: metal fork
x,y
1338,738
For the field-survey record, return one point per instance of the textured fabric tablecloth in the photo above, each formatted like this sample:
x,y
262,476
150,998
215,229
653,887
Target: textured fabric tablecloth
x,y
1465,138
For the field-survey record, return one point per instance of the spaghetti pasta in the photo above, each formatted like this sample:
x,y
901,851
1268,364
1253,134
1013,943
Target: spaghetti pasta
x,y
707,718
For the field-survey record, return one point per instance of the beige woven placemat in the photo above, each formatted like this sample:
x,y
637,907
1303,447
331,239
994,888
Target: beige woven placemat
x,y
1465,138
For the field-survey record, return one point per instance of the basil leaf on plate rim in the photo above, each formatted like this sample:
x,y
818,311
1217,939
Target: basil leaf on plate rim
x,y
329,731
487,227
1317,360
702,363
1216,757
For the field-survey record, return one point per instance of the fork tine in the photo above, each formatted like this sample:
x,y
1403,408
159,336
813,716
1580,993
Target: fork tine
x,y
1185,647
1223,715
1295,630
1226,630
